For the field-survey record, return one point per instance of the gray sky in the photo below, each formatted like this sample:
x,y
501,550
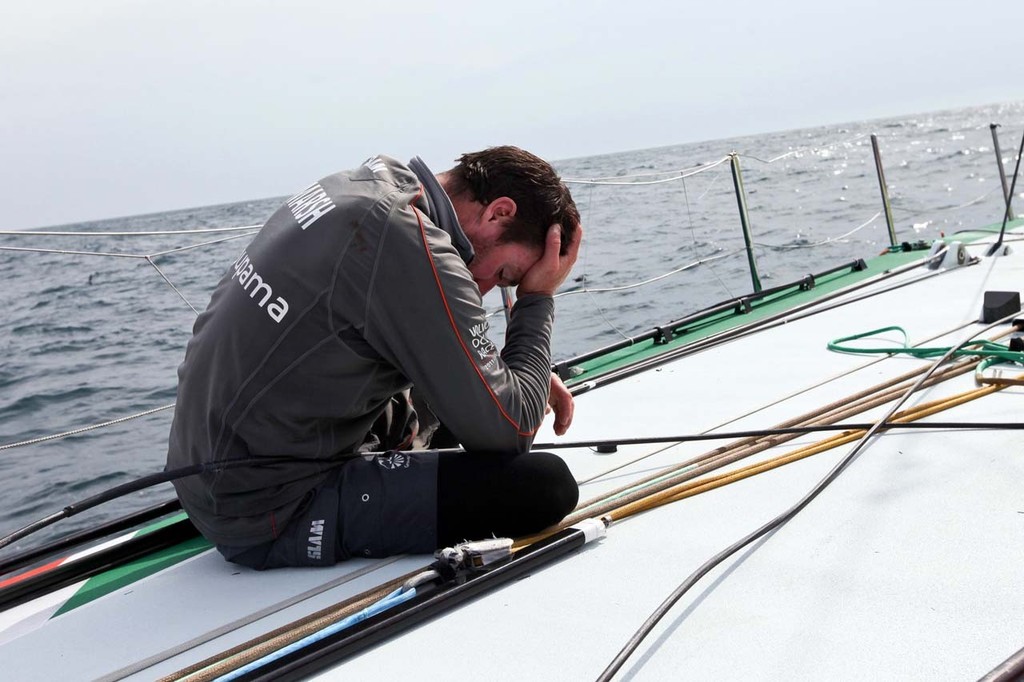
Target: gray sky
x,y
112,108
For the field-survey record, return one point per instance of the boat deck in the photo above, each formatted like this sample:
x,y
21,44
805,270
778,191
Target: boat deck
x,y
906,567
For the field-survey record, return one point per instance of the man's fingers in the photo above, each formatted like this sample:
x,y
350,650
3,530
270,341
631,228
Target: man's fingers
x,y
574,245
548,273
554,244
561,400
563,417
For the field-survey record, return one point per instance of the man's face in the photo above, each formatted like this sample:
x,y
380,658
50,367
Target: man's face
x,y
497,264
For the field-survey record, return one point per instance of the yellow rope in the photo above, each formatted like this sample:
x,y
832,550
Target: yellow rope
x,y
694,487
745,447
691,488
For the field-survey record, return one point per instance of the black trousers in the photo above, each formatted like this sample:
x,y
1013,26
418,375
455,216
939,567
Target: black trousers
x,y
415,502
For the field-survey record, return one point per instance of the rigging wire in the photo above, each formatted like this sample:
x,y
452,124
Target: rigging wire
x,y
149,260
693,229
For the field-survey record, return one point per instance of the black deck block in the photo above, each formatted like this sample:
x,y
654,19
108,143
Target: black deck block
x,y
999,304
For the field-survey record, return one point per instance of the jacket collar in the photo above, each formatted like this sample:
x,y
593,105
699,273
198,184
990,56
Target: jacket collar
x,y
441,209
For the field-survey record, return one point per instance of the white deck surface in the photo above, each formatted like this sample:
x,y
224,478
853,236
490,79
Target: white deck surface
x,y
910,566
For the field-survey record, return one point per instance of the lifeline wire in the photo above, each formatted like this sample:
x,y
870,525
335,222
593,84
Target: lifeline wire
x,y
780,520
151,233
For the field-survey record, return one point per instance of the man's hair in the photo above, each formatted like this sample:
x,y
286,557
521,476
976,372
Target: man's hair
x,y
530,181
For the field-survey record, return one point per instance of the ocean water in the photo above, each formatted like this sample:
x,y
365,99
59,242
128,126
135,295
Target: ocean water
x,y
88,338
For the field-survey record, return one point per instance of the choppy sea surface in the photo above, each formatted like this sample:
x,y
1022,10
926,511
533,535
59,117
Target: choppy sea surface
x,y
87,338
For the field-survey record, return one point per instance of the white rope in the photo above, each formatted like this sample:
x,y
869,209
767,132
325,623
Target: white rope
x,y
688,266
69,252
85,233
75,432
783,247
810,148
74,253
678,175
196,246
972,202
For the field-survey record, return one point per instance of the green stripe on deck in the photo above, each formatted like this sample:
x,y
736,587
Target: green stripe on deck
x,y
115,579
771,305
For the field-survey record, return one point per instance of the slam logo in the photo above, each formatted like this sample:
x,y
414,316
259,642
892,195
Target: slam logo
x,y
314,550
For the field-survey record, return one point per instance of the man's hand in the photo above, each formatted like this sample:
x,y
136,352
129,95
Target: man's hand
x,y
560,400
550,271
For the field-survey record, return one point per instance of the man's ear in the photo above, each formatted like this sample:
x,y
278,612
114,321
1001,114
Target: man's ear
x,y
502,208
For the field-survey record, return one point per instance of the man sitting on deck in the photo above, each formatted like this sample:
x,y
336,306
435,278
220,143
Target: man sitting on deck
x,y
365,284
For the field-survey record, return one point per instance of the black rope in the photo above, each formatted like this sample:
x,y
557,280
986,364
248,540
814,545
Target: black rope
x,y
153,480
104,530
758,433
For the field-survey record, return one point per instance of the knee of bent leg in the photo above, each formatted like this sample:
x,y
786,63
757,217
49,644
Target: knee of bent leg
x,y
556,490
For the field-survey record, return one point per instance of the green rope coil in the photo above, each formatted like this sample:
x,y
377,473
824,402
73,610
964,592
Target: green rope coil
x,y
992,351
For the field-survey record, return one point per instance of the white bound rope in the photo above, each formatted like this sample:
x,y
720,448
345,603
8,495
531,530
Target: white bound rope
x,y
75,432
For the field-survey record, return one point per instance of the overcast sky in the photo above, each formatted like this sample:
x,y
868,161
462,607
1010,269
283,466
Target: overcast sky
x,y
112,108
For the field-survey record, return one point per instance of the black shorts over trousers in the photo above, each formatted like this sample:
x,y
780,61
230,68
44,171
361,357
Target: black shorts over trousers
x,y
416,502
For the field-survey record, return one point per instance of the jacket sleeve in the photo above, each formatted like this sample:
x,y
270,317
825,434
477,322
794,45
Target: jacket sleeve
x,y
425,316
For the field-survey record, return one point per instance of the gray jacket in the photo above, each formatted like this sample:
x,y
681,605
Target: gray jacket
x,y
354,290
